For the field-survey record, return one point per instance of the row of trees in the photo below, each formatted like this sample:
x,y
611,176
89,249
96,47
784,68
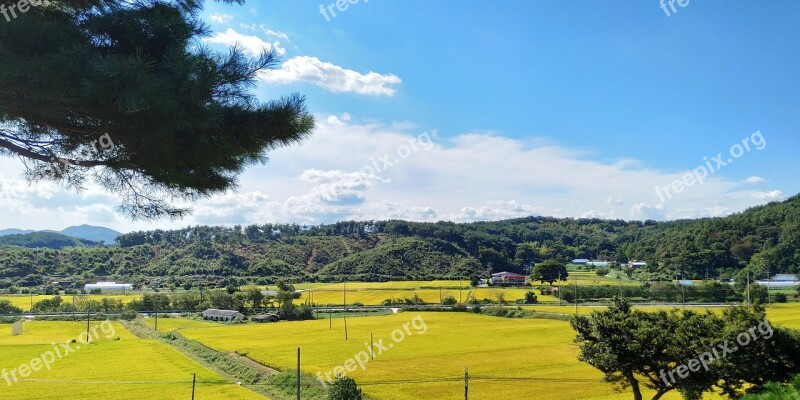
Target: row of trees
x,y
249,299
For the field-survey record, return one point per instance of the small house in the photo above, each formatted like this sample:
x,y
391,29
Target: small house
x,y
222,315
580,261
268,317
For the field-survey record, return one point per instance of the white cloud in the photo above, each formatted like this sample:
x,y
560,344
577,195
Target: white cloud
x,y
266,30
645,211
754,180
252,45
773,195
339,120
468,177
221,18
332,77
496,210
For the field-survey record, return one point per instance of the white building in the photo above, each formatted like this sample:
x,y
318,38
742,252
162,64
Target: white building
x,y
598,264
108,287
637,264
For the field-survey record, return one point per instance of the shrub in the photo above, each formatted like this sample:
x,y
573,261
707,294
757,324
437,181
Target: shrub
x,y
780,298
128,315
7,308
459,307
602,271
530,298
449,301
344,388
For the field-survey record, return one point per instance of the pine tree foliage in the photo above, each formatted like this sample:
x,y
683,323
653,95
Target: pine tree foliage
x,y
123,93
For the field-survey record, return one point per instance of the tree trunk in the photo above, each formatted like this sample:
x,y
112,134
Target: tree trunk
x,y
637,392
659,394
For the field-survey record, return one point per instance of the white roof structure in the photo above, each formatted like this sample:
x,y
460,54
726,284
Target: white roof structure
x,y
108,286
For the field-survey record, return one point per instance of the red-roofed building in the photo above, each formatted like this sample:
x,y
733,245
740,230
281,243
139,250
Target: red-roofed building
x,y
508,279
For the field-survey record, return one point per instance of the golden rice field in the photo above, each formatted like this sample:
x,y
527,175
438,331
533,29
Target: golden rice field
x,y
24,301
127,369
535,357
432,296
373,293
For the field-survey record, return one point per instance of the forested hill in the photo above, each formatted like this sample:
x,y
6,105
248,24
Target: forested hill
x,y
50,240
762,237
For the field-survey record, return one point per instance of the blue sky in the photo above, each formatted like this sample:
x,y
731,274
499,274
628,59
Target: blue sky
x,y
532,107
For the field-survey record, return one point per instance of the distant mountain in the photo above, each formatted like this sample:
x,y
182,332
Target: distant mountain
x,y
93,233
84,232
4,232
48,240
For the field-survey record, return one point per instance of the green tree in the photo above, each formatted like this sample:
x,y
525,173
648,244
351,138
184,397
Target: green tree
x,y
778,391
119,92
6,307
549,271
344,388
253,295
636,349
285,298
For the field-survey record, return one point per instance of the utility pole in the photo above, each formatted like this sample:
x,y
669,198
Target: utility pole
x,y
344,294
683,291
194,384
559,288
769,297
748,287
576,294
466,384
459,289
88,321
371,346
298,373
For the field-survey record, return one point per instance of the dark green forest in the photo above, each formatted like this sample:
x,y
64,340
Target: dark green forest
x,y
764,238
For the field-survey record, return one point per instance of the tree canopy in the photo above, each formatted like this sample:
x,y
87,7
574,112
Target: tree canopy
x,y
124,94
549,271
687,351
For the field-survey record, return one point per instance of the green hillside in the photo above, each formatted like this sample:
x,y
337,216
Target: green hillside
x,y
765,238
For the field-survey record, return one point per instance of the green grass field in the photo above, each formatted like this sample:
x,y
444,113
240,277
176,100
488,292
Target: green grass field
x,y
127,369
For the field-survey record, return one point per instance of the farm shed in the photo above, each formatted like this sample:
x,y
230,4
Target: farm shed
x,y
106,287
268,317
222,315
